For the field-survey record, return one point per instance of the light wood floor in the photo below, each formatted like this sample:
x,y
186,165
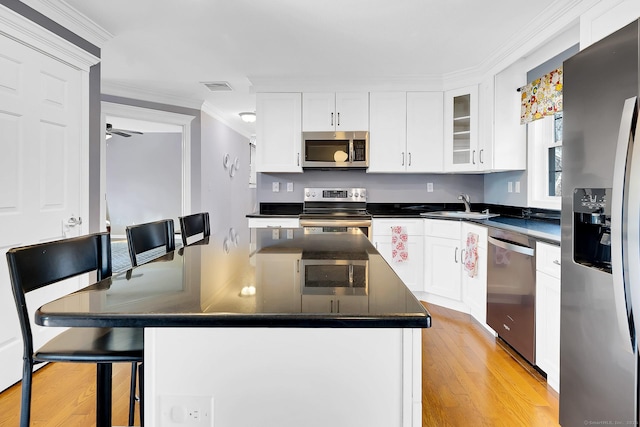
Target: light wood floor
x,y
468,380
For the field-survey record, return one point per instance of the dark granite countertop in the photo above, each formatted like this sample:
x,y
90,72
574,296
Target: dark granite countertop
x,y
209,286
538,223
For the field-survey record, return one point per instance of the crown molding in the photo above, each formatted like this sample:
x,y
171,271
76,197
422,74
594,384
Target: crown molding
x,y
28,33
131,91
348,84
67,16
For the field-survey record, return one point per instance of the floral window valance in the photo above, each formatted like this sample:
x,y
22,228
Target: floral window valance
x,y
542,97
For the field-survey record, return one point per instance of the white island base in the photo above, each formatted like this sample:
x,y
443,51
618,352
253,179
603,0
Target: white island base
x,y
283,377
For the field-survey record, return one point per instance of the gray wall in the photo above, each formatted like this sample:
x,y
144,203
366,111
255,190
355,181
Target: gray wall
x,y
196,188
496,188
144,179
382,188
228,199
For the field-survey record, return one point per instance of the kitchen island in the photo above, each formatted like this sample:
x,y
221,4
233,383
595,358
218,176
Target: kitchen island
x,y
297,329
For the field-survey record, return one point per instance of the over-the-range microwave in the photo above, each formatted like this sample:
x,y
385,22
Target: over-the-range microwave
x,y
330,150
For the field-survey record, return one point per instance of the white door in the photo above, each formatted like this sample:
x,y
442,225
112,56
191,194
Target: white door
x,y
41,174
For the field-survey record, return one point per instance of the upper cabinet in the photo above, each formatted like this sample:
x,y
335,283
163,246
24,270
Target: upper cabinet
x,y
388,132
278,132
461,130
348,111
509,139
406,131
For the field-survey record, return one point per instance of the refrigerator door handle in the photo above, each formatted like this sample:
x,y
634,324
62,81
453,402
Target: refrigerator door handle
x,y
632,226
618,193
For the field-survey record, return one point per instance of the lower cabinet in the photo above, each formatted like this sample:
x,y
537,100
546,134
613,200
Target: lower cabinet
x,y
442,258
410,270
474,285
548,312
446,249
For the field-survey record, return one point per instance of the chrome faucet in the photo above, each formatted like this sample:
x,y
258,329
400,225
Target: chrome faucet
x,y
467,202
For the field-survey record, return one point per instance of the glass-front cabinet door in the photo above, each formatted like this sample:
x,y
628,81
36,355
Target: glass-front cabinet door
x,y
461,129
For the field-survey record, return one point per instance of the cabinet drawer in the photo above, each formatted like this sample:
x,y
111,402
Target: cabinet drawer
x,y
382,227
442,228
548,259
274,222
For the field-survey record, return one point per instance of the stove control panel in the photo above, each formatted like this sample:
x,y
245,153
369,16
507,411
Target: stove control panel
x,y
335,195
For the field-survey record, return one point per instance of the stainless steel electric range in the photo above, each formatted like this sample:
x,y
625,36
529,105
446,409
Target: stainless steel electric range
x,y
335,210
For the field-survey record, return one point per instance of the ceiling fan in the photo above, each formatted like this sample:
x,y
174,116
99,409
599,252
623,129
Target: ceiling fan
x,y
122,132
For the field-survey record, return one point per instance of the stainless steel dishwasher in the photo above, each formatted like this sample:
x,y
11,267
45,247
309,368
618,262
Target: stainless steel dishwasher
x,y
511,290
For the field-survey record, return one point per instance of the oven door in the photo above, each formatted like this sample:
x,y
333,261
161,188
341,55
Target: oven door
x,y
318,226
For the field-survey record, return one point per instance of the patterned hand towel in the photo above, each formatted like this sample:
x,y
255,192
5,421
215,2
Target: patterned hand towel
x,y
399,247
471,255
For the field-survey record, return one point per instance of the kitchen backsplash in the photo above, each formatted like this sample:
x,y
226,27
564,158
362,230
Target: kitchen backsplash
x,y
400,188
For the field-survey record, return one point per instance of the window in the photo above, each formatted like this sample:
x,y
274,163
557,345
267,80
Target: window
x,y
545,162
555,158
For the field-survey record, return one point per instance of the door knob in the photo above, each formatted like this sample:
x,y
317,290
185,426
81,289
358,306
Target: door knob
x,y
73,221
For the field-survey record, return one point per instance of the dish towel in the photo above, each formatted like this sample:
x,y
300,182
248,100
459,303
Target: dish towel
x,y
471,255
399,247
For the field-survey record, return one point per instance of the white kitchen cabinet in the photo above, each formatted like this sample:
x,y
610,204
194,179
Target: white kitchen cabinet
x,y
278,282
461,130
388,132
278,132
411,270
406,132
425,132
474,289
274,222
443,258
342,111
548,312
507,149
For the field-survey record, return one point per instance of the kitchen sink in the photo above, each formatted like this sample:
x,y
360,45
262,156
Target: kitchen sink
x,y
458,214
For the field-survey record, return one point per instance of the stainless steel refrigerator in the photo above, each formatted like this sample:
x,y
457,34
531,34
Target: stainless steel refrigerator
x,y
600,233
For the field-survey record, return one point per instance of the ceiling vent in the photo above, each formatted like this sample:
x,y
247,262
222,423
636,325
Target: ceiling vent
x,y
218,86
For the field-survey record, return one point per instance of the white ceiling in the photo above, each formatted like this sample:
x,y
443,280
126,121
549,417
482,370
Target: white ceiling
x,y
163,49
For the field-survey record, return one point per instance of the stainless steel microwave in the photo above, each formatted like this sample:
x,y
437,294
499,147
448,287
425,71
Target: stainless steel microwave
x,y
330,150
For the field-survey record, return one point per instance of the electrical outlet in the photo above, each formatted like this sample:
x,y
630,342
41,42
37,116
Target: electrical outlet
x,y
275,234
275,187
289,187
185,411
510,187
429,187
289,234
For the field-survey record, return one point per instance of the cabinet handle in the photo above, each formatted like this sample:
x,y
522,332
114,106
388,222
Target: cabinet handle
x,y
297,266
556,262
455,255
462,255
338,304
409,158
298,159
403,158
480,155
331,119
338,119
331,306
473,157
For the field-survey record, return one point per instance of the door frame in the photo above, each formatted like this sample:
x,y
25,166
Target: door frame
x,y
149,115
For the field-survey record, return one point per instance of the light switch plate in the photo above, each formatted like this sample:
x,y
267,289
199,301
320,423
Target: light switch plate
x,y
289,187
275,187
429,187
